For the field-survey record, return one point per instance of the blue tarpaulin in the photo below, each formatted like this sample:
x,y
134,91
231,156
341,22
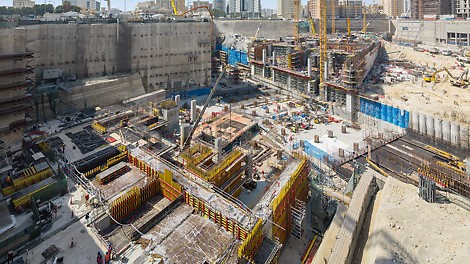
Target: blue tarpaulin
x,y
386,113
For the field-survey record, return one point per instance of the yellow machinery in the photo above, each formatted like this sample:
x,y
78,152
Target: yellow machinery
x,y
432,77
348,21
323,45
453,162
364,20
257,32
312,26
461,81
173,5
333,18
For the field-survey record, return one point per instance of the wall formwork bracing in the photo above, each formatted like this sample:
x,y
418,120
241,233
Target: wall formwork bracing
x,y
295,189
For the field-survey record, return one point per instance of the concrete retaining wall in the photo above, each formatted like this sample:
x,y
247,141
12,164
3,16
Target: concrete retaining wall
x,y
451,133
274,29
432,32
166,55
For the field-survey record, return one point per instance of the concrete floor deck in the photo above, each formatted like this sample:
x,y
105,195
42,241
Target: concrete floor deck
x,y
123,182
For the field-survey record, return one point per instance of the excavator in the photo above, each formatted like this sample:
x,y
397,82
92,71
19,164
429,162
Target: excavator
x,y
432,77
461,81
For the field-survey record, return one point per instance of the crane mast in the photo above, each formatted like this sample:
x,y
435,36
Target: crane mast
x,y
323,45
296,21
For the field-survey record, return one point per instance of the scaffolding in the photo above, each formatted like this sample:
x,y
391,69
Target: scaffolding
x,y
298,213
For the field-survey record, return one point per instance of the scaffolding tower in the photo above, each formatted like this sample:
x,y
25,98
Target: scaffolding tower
x,y
298,214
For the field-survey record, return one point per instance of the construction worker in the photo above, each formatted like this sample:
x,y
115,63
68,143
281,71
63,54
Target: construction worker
x,y
99,258
106,258
8,180
10,256
110,249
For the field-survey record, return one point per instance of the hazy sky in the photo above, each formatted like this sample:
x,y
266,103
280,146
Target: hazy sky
x,y
130,4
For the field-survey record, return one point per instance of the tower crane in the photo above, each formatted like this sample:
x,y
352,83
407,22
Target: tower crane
x,y
323,46
109,8
312,25
333,17
364,20
173,5
296,21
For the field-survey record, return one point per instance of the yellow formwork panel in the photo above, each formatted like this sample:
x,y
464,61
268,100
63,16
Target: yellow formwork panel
x,y
285,190
251,244
24,182
98,127
22,201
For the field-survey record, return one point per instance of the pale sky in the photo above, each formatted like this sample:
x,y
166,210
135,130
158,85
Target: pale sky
x,y
130,4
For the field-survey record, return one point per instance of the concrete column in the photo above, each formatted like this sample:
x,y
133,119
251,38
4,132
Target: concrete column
x,y
252,70
309,67
288,82
273,74
309,87
264,63
349,104
264,56
193,114
274,58
218,148
177,99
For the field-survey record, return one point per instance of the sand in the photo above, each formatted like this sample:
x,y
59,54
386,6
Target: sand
x,y
406,229
440,100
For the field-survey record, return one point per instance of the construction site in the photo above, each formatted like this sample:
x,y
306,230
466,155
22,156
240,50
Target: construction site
x,y
187,141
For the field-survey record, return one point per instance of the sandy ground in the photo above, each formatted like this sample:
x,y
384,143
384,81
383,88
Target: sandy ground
x,y
406,229
441,100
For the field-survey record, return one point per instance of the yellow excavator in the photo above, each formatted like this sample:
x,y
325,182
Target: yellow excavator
x,y
461,81
432,77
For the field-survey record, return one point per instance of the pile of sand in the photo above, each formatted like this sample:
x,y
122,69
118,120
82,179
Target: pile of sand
x,y
406,229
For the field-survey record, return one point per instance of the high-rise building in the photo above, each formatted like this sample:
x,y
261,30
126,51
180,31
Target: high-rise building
x,y
421,9
393,8
349,8
314,8
285,8
22,3
220,5
462,8
406,8
244,8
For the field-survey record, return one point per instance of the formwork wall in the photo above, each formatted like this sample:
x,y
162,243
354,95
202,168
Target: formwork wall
x,y
158,183
296,188
207,211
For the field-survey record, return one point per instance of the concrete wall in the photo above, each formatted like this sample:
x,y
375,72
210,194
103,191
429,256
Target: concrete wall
x,y
274,29
88,94
433,32
451,133
166,55
11,41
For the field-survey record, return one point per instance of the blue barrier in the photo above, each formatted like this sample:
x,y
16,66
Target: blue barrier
x,y
234,55
314,151
191,93
386,113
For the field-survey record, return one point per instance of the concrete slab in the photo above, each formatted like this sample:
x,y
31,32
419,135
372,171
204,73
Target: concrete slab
x,y
85,250
123,182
